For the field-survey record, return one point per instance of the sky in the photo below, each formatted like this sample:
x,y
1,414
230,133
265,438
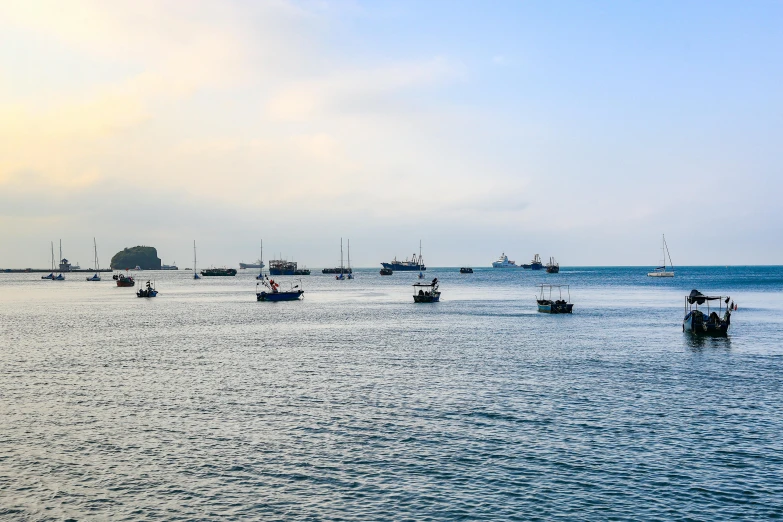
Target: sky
x,y
579,130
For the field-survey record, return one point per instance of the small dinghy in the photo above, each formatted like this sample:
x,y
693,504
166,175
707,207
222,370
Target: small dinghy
x,y
465,270
272,291
548,305
386,271
50,276
95,277
59,277
147,291
426,292
711,323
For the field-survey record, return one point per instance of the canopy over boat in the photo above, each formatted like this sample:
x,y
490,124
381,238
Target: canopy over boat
x,y
698,298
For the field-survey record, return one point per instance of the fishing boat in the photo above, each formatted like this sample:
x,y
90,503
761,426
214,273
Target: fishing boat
x,y
271,291
95,277
213,272
124,280
661,271
282,267
147,291
416,263
548,305
386,271
711,323
426,292
535,264
503,262
51,274
553,267
195,270
465,270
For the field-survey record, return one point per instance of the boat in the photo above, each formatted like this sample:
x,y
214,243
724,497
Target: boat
x,y
282,267
426,292
148,291
124,280
711,323
503,262
258,264
272,291
465,270
348,270
416,263
169,267
553,267
219,272
59,277
95,277
535,263
65,266
661,271
195,270
548,305
386,271
260,275
51,274
336,270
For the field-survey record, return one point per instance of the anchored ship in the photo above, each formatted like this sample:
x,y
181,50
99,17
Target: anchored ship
x,y
282,267
503,262
416,263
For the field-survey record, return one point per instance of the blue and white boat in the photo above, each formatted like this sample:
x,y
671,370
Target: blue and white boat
x,y
272,291
535,264
426,292
147,291
503,262
559,305
416,263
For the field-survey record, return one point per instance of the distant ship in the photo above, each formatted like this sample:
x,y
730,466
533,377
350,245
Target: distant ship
x,y
535,264
503,262
257,264
169,267
281,267
219,272
416,263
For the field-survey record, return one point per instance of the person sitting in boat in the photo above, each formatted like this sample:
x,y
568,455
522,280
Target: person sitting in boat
x,y
421,292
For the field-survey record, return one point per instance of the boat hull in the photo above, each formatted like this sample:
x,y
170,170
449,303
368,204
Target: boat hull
x,y
549,307
251,265
553,270
660,274
432,298
212,272
282,271
145,293
465,270
536,266
126,284
337,271
386,272
279,296
712,326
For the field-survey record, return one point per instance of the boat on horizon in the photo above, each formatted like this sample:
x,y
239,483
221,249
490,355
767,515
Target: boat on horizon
x,y
426,292
195,270
169,267
465,270
503,262
535,263
51,274
711,323
661,271
553,267
279,267
415,263
386,271
548,305
213,272
95,277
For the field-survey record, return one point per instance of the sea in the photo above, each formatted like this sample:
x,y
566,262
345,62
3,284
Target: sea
x,y
357,404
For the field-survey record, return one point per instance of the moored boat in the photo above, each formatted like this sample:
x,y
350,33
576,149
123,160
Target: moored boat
x,y
281,267
415,263
272,291
548,305
219,272
661,271
95,277
503,262
426,292
124,280
386,271
465,270
535,264
553,267
711,323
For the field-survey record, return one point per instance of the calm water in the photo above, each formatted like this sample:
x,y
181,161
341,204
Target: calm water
x,y
357,404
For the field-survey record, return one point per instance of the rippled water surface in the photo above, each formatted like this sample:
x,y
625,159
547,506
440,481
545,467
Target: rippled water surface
x,y
357,404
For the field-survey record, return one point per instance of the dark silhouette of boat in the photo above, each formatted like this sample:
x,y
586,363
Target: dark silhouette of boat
x,y
219,272
711,323
465,270
553,267
147,291
386,271
416,263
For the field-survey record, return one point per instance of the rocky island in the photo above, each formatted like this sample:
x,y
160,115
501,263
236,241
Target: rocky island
x,y
142,256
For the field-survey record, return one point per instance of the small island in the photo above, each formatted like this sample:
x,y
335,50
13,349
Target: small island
x,y
144,257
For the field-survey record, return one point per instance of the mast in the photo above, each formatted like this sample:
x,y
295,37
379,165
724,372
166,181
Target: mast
x,y
341,256
194,256
261,270
52,243
349,253
666,247
95,247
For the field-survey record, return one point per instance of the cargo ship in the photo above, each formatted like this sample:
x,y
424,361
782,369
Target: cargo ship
x,y
281,267
257,264
219,272
535,264
416,263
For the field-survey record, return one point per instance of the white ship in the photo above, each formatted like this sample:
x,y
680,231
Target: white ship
x,y
503,262
257,264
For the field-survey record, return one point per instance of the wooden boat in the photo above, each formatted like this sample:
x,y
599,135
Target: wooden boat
x,y
426,292
124,280
272,291
465,270
711,323
147,291
553,267
548,305
219,272
661,270
386,271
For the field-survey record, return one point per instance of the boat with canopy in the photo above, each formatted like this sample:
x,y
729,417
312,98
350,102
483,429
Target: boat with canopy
x,y
713,322
548,305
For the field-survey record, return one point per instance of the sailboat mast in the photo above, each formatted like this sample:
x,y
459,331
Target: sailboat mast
x,y
341,256
95,247
194,256
349,253
52,243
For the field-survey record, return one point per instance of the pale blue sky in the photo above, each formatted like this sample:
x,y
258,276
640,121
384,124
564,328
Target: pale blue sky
x,y
582,130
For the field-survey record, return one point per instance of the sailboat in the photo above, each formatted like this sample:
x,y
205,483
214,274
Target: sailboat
x,y
51,274
195,270
421,273
350,270
661,270
341,276
63,263
260,275
96,277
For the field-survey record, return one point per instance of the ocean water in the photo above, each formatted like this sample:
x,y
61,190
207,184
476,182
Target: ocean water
x,y
357,404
